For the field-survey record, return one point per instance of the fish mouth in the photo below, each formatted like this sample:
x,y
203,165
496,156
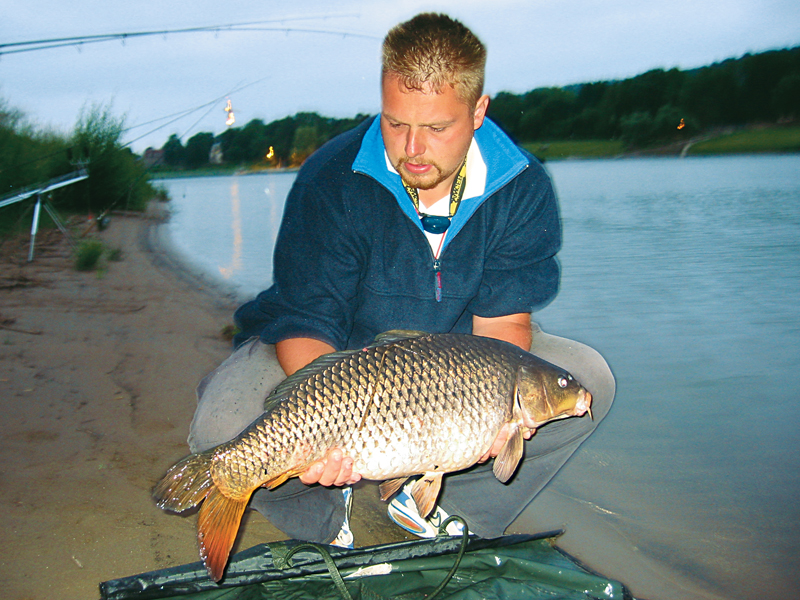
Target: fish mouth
x,y
584,405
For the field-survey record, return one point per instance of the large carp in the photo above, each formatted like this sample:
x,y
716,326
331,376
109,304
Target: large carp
x,y
409,404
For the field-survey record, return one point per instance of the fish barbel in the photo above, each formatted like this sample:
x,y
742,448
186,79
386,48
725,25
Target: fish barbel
x,y
409,404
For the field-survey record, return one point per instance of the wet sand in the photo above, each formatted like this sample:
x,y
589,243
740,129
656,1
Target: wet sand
x,y
97,378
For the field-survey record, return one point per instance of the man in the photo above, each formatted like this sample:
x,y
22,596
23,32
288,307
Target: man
x,y
427,217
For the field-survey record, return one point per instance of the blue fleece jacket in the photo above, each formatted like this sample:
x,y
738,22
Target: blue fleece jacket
x,y
351,259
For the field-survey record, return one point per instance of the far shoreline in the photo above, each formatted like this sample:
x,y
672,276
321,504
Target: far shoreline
x,y
725,141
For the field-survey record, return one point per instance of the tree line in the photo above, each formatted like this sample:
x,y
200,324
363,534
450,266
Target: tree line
x,y
648,108
654,107
282,143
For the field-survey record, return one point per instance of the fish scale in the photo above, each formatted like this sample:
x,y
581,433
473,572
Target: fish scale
x,y
409,404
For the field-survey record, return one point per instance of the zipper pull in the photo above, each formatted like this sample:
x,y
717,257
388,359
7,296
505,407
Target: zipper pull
x,y
437,267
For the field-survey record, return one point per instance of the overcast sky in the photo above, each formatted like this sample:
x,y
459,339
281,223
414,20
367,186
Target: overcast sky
x,y
273,74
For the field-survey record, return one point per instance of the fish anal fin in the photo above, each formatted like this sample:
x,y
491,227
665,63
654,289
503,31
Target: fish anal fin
x,y
425,491
390,487
510,454
217,526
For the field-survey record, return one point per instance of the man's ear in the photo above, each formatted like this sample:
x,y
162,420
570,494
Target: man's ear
x,y
480,111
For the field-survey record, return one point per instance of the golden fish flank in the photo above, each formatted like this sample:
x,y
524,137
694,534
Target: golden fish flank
x,y
409,404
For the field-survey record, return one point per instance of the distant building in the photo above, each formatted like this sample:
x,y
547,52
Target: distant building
x,y
215,155
153,158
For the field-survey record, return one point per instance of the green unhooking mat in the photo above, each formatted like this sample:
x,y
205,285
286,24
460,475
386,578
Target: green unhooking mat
x,y
514,566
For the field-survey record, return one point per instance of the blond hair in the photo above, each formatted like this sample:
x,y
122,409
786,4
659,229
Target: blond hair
x,y
431,51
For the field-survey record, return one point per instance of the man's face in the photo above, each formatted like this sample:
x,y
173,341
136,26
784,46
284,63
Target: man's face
x,y
427,134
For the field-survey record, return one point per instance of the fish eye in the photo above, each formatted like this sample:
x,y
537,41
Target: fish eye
x,y
563,382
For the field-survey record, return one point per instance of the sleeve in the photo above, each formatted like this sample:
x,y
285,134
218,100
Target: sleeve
x,y
521,272
317,267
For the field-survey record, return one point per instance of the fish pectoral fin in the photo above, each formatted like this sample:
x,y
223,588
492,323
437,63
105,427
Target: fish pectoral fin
x,y
390,487
217,526
510,454
425,491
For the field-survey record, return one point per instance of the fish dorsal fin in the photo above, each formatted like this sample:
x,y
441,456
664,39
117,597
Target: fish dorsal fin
x,y
326,360
510,454
312,368
396,335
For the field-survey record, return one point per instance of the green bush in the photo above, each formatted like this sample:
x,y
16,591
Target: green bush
x,y
117,179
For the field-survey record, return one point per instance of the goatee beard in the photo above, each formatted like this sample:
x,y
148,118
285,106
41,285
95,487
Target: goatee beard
x,y
422,182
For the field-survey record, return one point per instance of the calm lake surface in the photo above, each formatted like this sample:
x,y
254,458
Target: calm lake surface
x,y
685,275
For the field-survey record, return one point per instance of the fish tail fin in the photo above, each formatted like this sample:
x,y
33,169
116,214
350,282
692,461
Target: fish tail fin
x,y
217,526
186,484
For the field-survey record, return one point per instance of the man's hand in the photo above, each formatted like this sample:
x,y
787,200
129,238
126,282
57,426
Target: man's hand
x,y
500,441
335,469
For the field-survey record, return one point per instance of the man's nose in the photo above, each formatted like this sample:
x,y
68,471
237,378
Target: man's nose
x,y
415,143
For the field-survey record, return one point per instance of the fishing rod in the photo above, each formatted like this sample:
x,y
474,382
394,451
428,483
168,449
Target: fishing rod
x,y
47,44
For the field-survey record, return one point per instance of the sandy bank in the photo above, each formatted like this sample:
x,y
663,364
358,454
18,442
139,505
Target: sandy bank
x,y
96,382
97,379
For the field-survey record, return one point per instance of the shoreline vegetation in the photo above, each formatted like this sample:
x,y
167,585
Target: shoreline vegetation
x,y
659,112
762,139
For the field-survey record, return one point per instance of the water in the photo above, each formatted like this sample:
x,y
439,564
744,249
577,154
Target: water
x,y
227,226
685,275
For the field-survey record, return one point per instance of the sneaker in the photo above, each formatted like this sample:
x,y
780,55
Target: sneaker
x,y
403,511
345,539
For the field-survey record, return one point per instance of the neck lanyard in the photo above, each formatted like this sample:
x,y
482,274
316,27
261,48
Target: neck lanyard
x,y
456,193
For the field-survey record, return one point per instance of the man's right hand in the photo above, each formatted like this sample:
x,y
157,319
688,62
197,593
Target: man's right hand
x,y
336,469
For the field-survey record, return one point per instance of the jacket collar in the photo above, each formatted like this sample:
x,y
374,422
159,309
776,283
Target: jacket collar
x,y
503,159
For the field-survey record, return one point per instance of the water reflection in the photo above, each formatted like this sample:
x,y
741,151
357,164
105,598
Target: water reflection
x,y
236,228
227,225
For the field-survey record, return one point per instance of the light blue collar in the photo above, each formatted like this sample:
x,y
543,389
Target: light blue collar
x,y
503,159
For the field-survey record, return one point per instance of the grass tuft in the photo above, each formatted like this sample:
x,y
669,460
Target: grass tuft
x,y
88,254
